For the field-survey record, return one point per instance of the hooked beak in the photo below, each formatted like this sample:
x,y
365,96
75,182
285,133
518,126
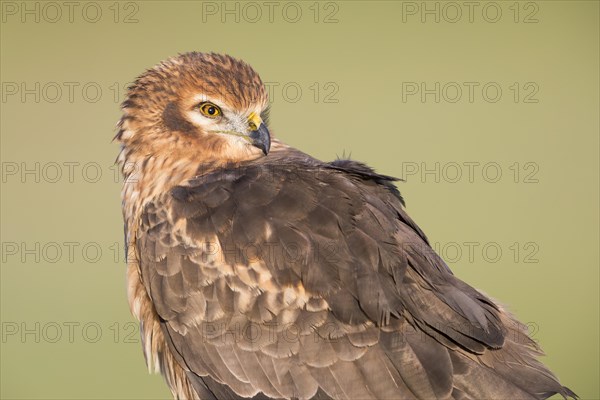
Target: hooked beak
x,y
261,138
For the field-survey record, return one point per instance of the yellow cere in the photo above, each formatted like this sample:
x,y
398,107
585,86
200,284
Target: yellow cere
x,y
254,121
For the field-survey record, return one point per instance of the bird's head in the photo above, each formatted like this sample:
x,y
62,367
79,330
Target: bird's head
x,y
210,108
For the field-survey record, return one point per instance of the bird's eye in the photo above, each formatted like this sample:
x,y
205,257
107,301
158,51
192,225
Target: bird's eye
x,y
210,110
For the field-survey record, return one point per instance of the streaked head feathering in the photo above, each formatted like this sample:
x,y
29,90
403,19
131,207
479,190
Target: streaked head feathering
x,y
162,110
191,110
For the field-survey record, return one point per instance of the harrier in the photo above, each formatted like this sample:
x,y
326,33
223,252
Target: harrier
x,y
257,271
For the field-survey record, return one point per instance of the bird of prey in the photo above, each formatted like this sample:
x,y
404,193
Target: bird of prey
x,y
258,271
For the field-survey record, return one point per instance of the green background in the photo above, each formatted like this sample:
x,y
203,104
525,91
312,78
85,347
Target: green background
x,y
361,60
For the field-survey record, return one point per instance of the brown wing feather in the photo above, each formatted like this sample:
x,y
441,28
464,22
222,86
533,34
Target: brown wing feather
x,y
290,278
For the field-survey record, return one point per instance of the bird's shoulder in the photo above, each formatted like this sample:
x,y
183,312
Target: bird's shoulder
x,y
292,181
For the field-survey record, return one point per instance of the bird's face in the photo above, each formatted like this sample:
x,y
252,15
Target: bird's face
x,y
206,107
239,127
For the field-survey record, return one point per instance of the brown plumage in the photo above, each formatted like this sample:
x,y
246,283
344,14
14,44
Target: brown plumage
x,y
281,276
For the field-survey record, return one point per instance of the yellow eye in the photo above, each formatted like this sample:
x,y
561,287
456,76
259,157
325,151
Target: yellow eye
x,y
210,110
